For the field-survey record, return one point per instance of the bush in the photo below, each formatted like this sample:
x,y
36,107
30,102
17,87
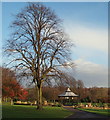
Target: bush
x,y
68,104
101,105
58,105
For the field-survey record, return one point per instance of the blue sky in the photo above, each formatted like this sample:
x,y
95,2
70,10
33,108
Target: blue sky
x,y
87,26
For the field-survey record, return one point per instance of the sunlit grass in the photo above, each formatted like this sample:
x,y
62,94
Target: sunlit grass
x,y
98,111
23,111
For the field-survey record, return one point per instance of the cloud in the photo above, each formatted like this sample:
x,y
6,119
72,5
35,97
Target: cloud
x,y
88,37
91,74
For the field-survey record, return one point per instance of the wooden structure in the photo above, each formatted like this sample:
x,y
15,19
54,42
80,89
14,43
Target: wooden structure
x,y
68,96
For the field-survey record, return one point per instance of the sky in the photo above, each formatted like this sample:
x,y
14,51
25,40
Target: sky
x,y
86,23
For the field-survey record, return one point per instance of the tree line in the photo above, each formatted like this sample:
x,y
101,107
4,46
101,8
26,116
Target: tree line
x,y
93,94
12,89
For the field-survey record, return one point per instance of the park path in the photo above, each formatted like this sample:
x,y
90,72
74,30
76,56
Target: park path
x,y
83,115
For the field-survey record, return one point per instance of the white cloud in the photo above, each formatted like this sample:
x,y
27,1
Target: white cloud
x,y
91,44
88,37
92,74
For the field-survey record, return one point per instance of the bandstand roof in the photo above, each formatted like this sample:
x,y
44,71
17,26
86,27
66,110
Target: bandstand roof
x,y
68,93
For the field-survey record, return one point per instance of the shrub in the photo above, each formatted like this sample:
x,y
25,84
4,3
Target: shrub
x,y
59,105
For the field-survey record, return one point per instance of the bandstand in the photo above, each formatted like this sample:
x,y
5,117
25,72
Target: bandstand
x,y
68,97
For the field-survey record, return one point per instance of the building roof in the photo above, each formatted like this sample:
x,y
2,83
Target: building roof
x,y
68,93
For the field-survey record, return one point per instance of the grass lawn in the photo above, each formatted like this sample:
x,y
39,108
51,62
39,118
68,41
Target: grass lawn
x,y
23,111
98,111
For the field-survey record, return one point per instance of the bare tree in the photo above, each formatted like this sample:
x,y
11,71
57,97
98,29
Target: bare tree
x,y
38,44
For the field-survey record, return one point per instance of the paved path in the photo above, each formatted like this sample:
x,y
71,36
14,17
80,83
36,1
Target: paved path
x,y
82,115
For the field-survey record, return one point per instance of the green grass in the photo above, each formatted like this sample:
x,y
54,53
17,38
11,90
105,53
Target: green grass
x,y
97,111
23,111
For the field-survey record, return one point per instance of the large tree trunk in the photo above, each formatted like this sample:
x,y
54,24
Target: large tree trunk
x,y
39,104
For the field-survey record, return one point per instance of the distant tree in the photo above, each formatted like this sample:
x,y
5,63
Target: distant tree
x,y
31,94
39,45
51,93
96,94
80,89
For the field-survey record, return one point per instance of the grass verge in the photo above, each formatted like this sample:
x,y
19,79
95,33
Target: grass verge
x,y
97,111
